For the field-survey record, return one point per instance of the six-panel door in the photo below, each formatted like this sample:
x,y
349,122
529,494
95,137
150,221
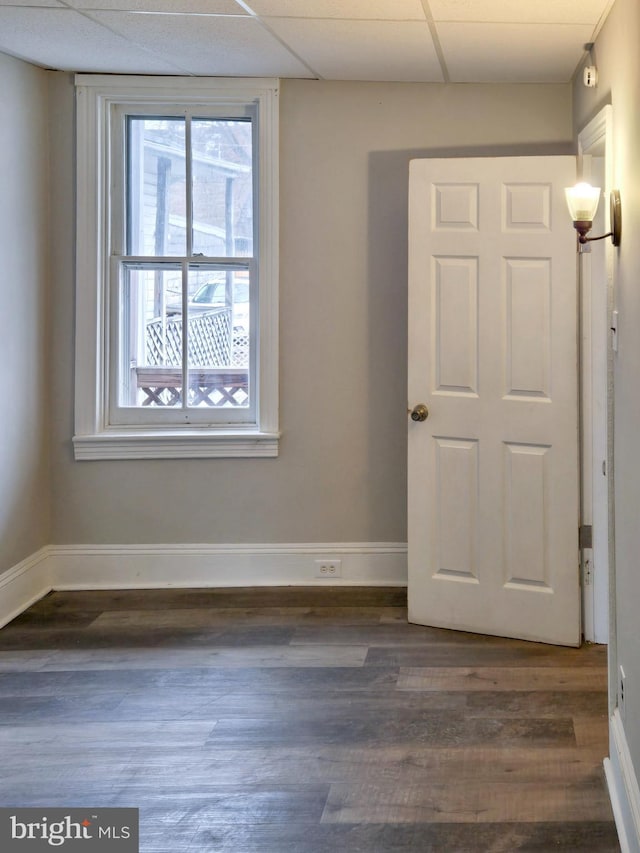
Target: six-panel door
x,y
493,471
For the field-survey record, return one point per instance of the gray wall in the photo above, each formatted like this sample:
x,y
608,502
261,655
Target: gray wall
x,y
618,60
24,389
341,473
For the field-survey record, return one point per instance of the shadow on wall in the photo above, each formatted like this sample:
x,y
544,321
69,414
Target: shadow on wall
x,y
387,267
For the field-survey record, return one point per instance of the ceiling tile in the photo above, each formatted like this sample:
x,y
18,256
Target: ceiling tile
x,y
212,7
68,41
373,10
494,53
518,11
208,44
362,50
44,3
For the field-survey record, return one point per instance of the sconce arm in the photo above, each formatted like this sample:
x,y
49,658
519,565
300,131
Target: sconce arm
x,y
583,239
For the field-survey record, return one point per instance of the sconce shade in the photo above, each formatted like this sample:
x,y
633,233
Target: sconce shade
x,y
582,201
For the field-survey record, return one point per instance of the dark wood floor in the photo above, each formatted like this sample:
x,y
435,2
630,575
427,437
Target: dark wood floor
x,y
302,721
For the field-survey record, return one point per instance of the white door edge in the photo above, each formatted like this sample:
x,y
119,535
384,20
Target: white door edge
x,y
596,271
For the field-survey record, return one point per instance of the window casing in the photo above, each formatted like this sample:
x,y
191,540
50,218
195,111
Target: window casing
x,y
176,268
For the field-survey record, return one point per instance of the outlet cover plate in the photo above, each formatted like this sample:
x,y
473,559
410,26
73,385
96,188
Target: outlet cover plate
x,y
329,568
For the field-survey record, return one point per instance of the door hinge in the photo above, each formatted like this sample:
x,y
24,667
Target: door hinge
x,y
586,572
585,536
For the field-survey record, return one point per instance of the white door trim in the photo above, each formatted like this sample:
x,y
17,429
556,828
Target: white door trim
x,y
595,140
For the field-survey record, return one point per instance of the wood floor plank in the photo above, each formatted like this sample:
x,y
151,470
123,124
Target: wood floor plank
x,y
472,655
161,765
591,731
590,704
249,680
446,728
207,617
25,710
108,735
24,661
418,638
147,658
500,802
41,617
507,678
263,596
304,703
405,838
394,634
212,804
132,637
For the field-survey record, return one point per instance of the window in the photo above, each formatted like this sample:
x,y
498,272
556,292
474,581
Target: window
x,y
176,318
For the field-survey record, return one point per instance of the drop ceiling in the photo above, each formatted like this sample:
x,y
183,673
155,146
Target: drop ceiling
x,y
459,41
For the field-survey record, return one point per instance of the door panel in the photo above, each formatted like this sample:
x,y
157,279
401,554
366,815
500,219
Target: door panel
x,y
457,503
493,471
528,327
526,525
456,318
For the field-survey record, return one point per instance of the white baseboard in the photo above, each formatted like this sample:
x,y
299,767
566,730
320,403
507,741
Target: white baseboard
x,y
190,566
624,792
23,584
185,566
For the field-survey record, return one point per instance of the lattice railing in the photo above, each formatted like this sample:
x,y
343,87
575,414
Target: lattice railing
x,y
218,362
217,387
210,343
240,350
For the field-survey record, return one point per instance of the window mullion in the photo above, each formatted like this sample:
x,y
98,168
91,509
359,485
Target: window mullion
x,y
189,182
188,163
185,333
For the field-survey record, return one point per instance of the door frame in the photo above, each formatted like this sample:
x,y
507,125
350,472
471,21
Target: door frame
x,y
595,269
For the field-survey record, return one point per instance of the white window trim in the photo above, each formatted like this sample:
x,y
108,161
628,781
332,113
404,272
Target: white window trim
x,y
94,438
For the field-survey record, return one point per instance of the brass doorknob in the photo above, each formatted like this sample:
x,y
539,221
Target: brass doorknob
x,y
420,412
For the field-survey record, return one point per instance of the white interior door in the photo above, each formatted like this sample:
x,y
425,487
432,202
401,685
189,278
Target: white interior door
x,y
493,471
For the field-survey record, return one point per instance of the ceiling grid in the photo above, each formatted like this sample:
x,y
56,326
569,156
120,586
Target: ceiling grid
x,y
458,41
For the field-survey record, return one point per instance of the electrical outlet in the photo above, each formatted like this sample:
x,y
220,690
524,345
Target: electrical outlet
x,y
621,693
328,569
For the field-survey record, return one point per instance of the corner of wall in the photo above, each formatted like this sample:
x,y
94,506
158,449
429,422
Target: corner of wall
x,y
24,584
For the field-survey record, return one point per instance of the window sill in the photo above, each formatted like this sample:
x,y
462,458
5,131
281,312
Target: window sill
x,y
186,444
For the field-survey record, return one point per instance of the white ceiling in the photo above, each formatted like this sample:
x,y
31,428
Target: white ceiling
x,y
405,40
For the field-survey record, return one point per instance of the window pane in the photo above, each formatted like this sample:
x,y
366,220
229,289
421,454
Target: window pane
x,y
151,337
156,186
218,338
150,360
222,187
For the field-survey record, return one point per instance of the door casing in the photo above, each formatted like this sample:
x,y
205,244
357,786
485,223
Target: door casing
x,y
596,269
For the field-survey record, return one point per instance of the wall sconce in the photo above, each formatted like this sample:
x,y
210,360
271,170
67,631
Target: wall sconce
x,y
582,201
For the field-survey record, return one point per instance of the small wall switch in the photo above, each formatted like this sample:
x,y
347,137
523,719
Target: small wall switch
x,y
328,569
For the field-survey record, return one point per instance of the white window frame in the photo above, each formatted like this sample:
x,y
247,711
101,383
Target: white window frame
x,y
98,97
